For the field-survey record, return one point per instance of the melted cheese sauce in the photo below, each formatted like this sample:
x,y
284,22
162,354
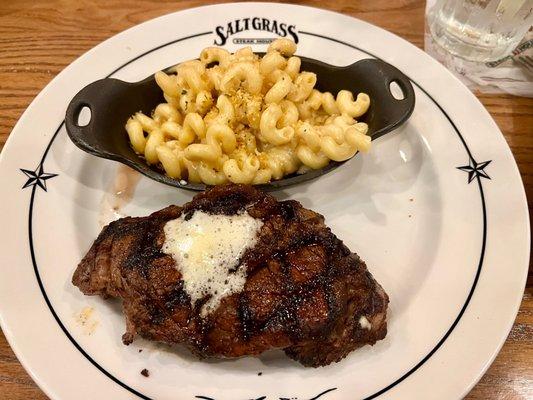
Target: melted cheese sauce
x,y
207,248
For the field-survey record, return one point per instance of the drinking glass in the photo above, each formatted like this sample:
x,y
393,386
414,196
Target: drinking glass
x,y
480,30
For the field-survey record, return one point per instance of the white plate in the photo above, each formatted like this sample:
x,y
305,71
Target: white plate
x,y
449,245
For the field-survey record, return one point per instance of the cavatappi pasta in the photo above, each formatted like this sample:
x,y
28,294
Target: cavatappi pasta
x,y
245,119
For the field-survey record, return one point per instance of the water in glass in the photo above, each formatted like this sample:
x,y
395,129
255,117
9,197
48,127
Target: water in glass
x,y
480,30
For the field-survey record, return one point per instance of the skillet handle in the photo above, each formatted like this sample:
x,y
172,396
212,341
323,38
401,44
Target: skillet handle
x,y
98,98
389,112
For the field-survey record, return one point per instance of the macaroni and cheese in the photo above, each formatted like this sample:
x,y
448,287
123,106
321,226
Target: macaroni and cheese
x,y
247,119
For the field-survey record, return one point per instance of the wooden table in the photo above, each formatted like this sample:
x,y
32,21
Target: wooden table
x,y
40,38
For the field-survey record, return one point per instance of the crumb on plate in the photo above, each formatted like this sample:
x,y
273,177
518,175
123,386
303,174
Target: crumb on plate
x,y
86,319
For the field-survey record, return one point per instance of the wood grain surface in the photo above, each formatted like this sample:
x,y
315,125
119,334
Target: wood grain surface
x,y
40,38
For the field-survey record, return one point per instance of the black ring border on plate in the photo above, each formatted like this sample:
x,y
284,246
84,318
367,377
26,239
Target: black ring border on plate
x,y
373,396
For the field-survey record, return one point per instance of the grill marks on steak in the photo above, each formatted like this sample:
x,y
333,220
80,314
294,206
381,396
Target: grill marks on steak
x,y
305,291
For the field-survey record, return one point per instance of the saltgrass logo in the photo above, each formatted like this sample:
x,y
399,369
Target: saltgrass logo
x,y
281,29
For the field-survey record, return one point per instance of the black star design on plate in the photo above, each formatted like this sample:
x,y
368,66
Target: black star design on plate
x,y
475,169
37,177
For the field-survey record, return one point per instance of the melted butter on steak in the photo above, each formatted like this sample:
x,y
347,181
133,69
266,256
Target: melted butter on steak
x,y
207,249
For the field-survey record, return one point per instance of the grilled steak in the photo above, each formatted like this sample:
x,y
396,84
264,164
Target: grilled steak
x,y
305,292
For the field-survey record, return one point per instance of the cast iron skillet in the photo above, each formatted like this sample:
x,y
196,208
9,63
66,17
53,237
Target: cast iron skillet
x,y
112,102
